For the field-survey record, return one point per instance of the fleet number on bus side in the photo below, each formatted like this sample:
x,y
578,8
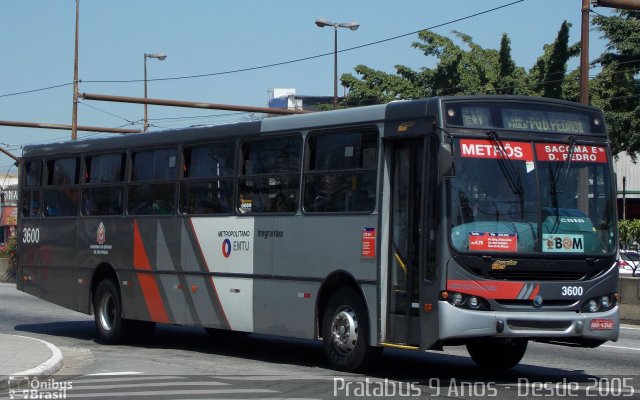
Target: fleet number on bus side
x,y
30,235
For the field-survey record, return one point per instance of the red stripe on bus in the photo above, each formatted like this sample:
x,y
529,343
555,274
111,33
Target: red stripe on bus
x,y
536,290
140,259
206,265
486,289
148,284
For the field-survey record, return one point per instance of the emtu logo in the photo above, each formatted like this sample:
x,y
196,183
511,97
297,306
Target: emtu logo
x,y
226,248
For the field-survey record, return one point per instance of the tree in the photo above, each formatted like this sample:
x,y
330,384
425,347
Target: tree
x,y
629,232
548,75
9,252
465,68
616,89
510,76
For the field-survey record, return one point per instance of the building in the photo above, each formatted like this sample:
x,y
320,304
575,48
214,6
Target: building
x,y
8,208
628,184
287,98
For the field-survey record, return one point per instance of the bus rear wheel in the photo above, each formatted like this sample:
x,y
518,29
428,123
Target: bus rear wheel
x,y
497,353
107,310
345,332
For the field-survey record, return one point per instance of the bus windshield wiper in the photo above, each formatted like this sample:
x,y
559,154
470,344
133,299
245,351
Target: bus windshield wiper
x,y
506,165
562,171
557,181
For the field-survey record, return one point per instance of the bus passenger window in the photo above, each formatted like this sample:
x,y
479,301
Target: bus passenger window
x,y
61,194
206,186
341,172
103,193
152,188
269,181
31,192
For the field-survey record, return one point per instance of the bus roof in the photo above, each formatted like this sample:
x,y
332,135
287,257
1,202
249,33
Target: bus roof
x,y
396,110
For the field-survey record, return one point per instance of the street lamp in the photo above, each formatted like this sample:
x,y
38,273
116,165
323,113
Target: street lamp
x,y
351,25
159,56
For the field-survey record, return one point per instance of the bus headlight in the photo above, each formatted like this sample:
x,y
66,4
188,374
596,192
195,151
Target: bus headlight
x,y
600,303
474,303
457,299
465,301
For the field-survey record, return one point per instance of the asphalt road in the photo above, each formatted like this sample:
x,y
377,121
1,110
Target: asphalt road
x,y
187,363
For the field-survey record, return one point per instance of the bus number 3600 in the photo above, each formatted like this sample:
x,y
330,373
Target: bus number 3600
x,y
572,290
30,235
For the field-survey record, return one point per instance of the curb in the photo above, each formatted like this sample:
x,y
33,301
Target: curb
x,y
47,368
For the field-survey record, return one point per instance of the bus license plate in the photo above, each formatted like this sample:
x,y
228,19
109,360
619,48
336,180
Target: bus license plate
x,y
601,324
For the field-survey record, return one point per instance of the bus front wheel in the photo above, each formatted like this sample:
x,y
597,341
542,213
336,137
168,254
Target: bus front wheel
x,y
497,353
107,310
345,331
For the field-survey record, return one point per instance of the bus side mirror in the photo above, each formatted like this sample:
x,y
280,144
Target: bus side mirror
x,y
446,162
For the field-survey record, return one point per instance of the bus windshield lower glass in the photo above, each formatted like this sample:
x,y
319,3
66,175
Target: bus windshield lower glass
x,y
522,197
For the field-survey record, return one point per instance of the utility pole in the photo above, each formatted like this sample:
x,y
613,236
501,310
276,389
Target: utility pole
x,y
584,51
584,54
74,113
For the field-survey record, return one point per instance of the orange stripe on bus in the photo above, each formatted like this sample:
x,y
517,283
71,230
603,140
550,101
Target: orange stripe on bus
x,y
152,298
536,290
148,284
140,259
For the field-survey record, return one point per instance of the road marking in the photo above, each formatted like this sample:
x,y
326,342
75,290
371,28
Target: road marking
x,y
115,373
116,386
109,378
72,393
630,328
620,347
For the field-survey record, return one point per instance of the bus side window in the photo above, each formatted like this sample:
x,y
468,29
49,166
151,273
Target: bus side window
x,y
31,189
269,181
103,193
341,172
152,188
206,186
61,193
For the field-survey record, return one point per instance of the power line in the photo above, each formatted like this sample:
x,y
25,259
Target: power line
x,y
106,112
36,90
310,57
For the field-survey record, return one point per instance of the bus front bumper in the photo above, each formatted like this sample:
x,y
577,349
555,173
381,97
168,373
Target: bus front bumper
x,y
459,323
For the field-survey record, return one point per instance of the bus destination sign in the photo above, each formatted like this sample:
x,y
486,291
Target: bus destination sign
x,y
545,121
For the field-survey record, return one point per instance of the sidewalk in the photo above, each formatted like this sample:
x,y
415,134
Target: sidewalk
x,y
25,356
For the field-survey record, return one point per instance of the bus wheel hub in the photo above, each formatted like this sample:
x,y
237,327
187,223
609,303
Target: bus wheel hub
x,y
344,329
107,312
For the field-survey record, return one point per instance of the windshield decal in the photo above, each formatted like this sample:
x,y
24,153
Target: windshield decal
x,y
488,241
470,148
581,153
553,243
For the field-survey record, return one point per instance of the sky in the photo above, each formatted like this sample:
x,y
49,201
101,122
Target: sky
x,y
207,37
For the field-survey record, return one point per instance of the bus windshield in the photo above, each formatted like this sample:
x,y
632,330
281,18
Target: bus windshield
x,y
523,197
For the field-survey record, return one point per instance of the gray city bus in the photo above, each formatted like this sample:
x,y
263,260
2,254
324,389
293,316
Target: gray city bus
x,y
485,221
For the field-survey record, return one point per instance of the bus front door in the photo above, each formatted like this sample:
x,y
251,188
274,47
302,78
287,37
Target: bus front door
x,y
403,326
412,287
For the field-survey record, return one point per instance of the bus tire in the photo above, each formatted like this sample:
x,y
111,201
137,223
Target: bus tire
x,y
497,353
345,332
107,310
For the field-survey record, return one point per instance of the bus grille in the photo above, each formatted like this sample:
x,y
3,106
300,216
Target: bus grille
x,y
528,325
537,275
